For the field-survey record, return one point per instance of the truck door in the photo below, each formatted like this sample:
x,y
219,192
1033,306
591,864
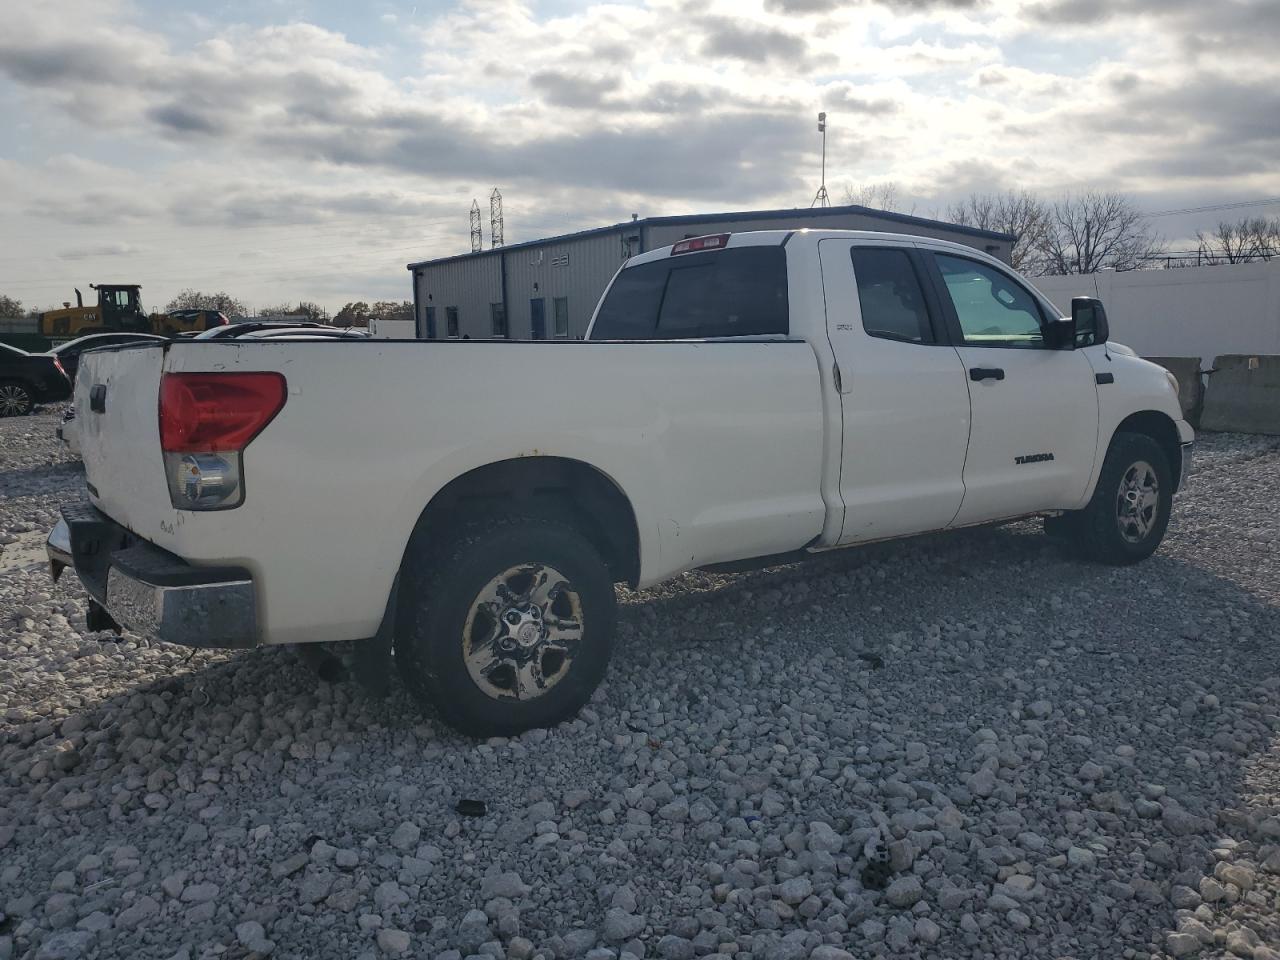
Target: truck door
x,y
1035,409
903,395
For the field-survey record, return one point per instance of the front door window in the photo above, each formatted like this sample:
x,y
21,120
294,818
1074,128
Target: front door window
x,y
993,310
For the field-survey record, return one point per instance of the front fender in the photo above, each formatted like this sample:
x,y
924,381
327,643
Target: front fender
x,y
1137,387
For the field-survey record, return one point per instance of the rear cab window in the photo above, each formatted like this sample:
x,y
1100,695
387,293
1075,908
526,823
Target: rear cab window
x,y
735,292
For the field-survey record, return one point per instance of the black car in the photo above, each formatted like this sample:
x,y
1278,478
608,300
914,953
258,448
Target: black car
x,y
29,378
233,331
68,353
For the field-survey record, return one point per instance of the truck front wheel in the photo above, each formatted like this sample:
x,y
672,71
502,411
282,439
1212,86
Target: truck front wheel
x,y
507,626
1126,518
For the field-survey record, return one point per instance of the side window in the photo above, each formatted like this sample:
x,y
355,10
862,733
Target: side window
x,y
889,292
994,310
498,319
451,321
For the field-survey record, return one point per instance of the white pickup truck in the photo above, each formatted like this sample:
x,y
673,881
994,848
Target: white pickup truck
x,y
468,506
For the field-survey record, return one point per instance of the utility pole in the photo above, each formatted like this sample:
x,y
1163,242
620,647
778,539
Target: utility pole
x,y
820,199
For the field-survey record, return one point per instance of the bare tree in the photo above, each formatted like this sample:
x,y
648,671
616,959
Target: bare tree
x,y
879,196
1253,238
1017,212
1092,231
10,307
196,300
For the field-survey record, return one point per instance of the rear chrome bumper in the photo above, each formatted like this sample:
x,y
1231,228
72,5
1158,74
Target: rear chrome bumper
x,y
150,591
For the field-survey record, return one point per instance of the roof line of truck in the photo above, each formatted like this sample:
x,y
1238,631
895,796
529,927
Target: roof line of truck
x,y
733,217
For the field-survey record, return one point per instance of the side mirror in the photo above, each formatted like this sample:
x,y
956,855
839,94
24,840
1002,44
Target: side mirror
x,y
1060,333
1090,318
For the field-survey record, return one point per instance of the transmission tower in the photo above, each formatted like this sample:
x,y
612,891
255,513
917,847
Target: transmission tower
x,y
495,218
477,238
820,199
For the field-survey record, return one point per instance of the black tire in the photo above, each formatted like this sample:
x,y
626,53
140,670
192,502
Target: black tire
x,y
440,598
16,399
1115,528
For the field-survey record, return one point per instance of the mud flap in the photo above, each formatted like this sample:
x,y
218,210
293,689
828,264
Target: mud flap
x,y
372,665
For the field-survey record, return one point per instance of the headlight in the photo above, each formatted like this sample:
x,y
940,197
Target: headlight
x,y
1173,382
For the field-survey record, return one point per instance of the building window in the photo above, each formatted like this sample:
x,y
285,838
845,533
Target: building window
x,y
498,319
561,305
431,323
451,321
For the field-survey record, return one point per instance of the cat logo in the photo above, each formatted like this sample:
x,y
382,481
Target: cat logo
x,y
1033,458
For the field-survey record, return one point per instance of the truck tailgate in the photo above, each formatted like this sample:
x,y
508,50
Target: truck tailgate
x,y
117,397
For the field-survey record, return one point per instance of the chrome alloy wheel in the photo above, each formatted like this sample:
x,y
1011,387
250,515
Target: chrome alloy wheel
x,y
1137,502
14,400
522,632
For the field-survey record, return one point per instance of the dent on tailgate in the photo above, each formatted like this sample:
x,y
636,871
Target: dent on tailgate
x,y
120,444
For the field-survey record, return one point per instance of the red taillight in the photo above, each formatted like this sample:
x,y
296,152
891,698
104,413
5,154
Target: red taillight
x,y
58,363
716,241
205,412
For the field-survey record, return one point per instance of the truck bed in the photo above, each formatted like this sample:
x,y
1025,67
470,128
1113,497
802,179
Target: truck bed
x,y
717,445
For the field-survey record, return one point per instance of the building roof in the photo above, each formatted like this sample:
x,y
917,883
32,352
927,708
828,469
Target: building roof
x,y
814,212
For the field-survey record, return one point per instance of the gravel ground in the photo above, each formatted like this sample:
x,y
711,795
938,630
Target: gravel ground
x,y
961,747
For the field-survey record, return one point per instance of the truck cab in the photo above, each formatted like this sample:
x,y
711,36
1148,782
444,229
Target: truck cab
x,y
955,393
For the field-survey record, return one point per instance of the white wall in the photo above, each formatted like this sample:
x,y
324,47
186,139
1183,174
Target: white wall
x,y
1192,312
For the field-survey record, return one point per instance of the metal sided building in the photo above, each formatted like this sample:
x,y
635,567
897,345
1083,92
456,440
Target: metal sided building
x,y
547,289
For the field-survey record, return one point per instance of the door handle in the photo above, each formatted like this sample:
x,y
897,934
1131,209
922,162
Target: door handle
x,y
986,373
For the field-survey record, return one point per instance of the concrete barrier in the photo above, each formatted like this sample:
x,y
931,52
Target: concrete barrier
x,y
1190,384
1243,395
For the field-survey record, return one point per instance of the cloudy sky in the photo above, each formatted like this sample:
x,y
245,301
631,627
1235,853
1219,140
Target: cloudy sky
x,y
285,149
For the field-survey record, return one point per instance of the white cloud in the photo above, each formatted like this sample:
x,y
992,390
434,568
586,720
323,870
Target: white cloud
x,y
292,139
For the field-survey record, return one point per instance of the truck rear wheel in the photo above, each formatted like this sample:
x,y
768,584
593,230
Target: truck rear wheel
x,y
1126,519
507,626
